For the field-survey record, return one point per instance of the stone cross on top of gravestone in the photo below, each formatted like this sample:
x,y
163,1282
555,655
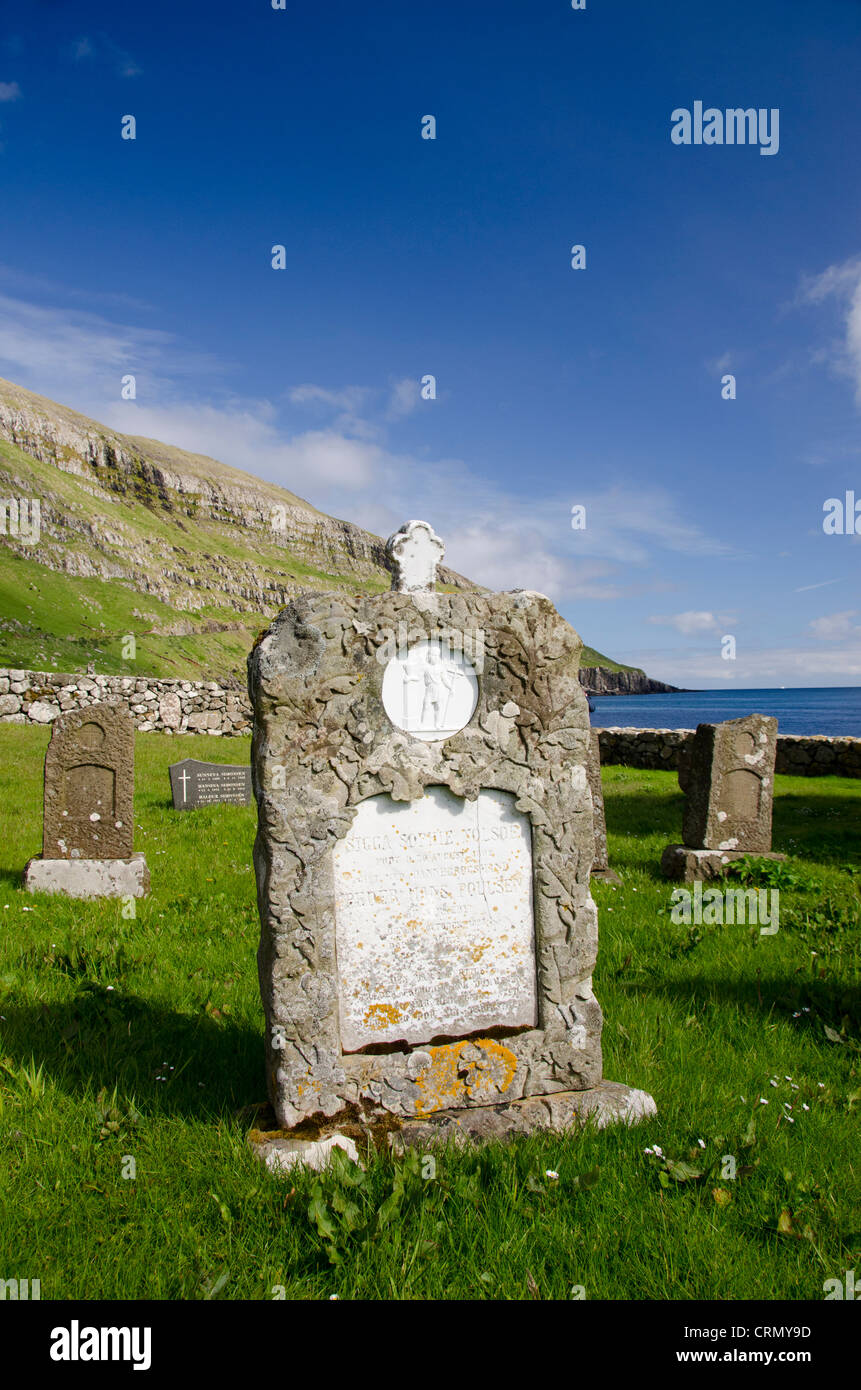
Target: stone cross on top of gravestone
x,y
413,554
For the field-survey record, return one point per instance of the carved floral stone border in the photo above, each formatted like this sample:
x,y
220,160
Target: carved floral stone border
x,y
323,743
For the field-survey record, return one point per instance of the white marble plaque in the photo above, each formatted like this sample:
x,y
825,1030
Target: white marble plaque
x,y
430,691
433,919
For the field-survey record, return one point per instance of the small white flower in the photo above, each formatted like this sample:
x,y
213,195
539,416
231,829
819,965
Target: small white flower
x,y
821,1085
551,1173
763,1101
702,1143
804,1107
659,1152
334,1297
787,1078
790,1119
797,1014
110,986
772,1083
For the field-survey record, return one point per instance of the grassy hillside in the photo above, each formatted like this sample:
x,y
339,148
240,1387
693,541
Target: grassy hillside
x,y
144,1038
187,555
60,618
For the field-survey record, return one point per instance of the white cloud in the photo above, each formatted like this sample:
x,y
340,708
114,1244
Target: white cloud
x,y
843,283
9,91
835,627
691,622
104,49
755,667
404,398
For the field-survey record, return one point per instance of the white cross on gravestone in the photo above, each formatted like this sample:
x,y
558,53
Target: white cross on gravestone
x,y
184,779
413,553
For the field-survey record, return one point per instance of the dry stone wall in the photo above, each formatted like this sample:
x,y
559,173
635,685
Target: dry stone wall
x,y
170,706
206,707
798,756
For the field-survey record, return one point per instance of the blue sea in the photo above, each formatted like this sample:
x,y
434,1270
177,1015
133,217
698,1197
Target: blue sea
x,y
830,710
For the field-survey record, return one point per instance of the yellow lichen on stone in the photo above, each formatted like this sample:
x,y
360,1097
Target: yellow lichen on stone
x,y
379,1016
474,1071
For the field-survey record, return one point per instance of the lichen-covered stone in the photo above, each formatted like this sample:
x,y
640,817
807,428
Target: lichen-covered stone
x,y
322,745
89,785
728,781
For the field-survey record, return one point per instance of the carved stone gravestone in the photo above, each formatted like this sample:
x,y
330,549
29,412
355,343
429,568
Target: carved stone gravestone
x,y
194,783
600,864
728,781
87,843
423,853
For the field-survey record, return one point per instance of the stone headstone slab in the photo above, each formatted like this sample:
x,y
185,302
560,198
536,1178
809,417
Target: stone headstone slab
x,y
600,864
194,783
728,780
324,747
89,785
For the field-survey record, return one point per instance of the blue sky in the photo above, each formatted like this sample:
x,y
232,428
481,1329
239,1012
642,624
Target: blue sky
x,y
451,257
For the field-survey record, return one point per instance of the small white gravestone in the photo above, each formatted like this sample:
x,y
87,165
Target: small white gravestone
x,y
430,691
433,919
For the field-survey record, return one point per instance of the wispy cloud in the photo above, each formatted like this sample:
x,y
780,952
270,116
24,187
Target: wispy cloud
x,y
10,91
102,48
841,283
835,627
823,584
692,622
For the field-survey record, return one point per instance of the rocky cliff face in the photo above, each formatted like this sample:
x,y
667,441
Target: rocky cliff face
x,y
190,556
190,488
599,681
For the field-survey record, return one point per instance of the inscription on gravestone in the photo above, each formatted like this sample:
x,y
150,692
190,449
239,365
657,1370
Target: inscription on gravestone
x,y
433,919
194,784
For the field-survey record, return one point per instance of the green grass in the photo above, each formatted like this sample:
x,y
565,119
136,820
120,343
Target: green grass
x,y
97,1008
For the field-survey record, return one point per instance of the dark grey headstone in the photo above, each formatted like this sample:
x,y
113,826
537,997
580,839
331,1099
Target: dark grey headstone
x,y
728,781
89,785
194,784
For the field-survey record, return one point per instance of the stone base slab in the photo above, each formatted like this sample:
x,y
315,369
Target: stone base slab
x,y
89,878
681,862
608,1103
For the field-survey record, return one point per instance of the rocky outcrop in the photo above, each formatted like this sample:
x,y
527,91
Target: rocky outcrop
x,y
599,680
